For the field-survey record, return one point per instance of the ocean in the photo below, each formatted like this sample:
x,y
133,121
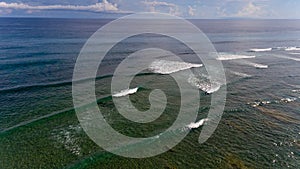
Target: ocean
x,y
259,128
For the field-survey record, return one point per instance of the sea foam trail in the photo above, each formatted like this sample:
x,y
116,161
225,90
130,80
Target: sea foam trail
x,y
260,50
256,65
204,84
240,74
225,56
288,57
294,53
197,124
168,67
126,92
259,66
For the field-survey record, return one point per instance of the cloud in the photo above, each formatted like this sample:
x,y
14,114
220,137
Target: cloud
x,y
158,6
5,11
250,10
104,6
244,9
191,11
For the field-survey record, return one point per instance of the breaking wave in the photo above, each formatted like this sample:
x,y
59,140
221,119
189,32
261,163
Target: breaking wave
x,y
168,67
196,124
260,50
225,56
126,92
292,48
204,84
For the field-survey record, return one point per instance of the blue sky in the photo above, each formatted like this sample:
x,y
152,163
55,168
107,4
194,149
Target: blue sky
x,y
207,9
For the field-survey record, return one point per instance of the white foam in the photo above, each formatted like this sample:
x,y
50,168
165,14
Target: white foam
x,y
125,92
296,91
257,65
260,66
262,103
67,137
260,50
168,67
292,48
225,56
280,47
203,85
197,124
259,103
288,100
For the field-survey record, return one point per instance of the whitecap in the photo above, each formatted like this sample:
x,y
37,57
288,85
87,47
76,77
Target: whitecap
x,y
262,103
260,66
256,65
204,84
225,56
260,50
196,124
296,91
168,67
259,103
292,48
126,92
288,100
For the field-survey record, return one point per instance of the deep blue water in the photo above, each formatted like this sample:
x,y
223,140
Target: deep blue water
x,y
37,57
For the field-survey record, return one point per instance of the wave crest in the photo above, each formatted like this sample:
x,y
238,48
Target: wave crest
x,y
204,84
168,67
233,56
197,124
126,92
260,49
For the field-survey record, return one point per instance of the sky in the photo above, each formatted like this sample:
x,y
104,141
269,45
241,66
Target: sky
x,y
193,9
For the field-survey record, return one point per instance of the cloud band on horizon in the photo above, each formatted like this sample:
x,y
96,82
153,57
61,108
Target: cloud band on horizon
x,y
104,6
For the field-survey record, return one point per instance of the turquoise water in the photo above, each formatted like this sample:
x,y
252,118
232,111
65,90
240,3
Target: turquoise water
x,y
39,128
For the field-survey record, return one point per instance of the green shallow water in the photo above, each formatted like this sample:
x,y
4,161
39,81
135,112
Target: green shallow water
x,y
246,137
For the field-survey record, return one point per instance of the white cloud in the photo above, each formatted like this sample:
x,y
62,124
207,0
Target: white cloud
x,y
104,6
191,11
250,10
155,5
